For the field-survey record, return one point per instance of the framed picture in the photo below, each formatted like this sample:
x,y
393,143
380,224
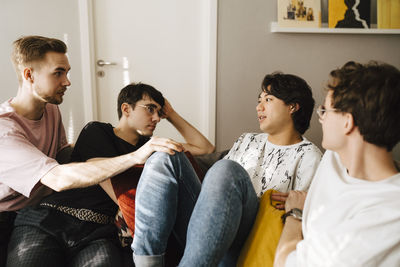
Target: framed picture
x,y
299,13
388,14
349,13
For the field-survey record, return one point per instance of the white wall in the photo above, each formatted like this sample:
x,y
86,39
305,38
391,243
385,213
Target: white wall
x,y
52,18
247,50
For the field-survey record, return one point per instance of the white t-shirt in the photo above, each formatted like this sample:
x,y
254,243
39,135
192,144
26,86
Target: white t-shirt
x,y
349,221
270,166
28,150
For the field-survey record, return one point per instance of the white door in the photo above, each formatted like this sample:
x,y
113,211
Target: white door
x,y
167,44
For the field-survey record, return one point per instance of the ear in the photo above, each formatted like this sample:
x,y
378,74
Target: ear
x,y
294,107
126,109
28,74
349,125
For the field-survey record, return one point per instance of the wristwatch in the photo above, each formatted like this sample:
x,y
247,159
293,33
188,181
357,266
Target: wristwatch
x,y
296,213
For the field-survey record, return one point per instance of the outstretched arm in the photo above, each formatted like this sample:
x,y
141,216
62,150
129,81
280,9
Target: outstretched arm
x,y
292,230
84,174
196,143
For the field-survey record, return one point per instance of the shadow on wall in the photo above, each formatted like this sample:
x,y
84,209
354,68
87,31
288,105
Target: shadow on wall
x,y
396,152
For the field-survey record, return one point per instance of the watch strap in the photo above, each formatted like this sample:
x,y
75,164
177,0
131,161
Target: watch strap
x,y
292,212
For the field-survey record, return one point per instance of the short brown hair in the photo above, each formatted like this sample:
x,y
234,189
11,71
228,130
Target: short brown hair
x,y
371,93
28,49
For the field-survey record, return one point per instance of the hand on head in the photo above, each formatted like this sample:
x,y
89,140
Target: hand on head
x,y
167,109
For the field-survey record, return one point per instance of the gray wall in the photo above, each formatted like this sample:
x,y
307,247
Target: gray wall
x,y
52,18
247,50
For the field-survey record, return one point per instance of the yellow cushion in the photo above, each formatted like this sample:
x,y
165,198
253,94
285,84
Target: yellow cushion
x,y
259,248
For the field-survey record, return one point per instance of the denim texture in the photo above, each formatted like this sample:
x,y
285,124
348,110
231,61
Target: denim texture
x,y
166,194
166,197
223,217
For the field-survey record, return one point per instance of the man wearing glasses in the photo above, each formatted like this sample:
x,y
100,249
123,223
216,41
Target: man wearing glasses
x,y
351,214
75,226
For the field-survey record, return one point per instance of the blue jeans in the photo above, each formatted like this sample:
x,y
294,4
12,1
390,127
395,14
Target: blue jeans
x,y
165,199
166,194
222,218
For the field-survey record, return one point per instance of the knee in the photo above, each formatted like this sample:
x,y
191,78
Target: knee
x,y
162,168
164,158
157,157
225,172
228,166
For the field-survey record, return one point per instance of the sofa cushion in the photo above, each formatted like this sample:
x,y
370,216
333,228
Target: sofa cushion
x,y
259,248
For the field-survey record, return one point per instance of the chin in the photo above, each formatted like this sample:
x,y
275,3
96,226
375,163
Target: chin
x,y
56,101
147,134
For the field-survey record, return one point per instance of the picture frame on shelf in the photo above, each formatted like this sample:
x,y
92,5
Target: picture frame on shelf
x,y
349,14
299,13
388,14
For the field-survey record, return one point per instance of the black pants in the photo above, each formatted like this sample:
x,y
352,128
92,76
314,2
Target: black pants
x,y
46,237
6,226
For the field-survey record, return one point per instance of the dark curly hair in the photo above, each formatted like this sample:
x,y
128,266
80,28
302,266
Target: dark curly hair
x,y
292,90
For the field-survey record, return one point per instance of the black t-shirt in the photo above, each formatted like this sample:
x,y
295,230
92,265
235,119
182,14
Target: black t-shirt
x,y
97,140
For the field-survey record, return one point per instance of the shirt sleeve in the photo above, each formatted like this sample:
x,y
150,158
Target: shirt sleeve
x,y
22,165
235,148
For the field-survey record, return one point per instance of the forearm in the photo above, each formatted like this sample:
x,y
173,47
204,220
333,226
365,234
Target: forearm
x,y
197,143
291,235
84,174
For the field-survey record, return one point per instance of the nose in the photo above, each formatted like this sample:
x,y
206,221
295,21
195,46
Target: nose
x,y
66,82
259,107
156,117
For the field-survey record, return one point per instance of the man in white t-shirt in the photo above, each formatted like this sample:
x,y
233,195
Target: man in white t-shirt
x,y
352,211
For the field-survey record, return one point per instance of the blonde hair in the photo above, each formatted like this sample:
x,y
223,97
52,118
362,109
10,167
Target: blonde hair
x,y
29,49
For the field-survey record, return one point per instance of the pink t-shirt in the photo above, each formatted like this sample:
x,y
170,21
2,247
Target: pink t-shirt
x,y
28,150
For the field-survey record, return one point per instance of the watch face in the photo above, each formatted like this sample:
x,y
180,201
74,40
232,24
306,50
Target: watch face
x,y
297,213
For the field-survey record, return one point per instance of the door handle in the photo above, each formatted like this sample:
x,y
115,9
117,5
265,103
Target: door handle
x,y
102,63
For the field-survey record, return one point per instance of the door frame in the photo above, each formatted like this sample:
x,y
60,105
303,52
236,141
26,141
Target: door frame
x,y
89,68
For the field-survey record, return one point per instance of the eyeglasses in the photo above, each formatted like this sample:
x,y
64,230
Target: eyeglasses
x,y
321,110
151,109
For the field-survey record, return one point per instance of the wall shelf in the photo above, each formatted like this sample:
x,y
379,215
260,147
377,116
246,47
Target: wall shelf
x,y
276,29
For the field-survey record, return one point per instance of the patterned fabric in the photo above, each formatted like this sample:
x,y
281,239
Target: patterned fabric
x,y
282,168
59,251
124,233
